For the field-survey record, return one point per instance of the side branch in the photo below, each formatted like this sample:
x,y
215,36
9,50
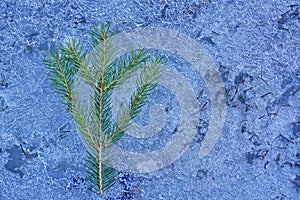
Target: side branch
x,y
73,102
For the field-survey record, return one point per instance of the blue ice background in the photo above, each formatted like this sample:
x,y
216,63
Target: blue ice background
x,y
258,155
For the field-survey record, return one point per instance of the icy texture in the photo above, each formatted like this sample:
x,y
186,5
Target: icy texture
x,y
254,43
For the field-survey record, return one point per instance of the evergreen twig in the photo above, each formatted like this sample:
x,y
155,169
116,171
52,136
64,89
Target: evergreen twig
x,y
103,73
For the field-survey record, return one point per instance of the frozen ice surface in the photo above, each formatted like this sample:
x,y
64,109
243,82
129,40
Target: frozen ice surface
x,y
255,45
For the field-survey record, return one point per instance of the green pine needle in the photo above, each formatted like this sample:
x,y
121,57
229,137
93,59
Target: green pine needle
x,y
103,73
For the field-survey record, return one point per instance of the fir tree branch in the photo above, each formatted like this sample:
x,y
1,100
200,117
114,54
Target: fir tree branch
x,y
103,74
